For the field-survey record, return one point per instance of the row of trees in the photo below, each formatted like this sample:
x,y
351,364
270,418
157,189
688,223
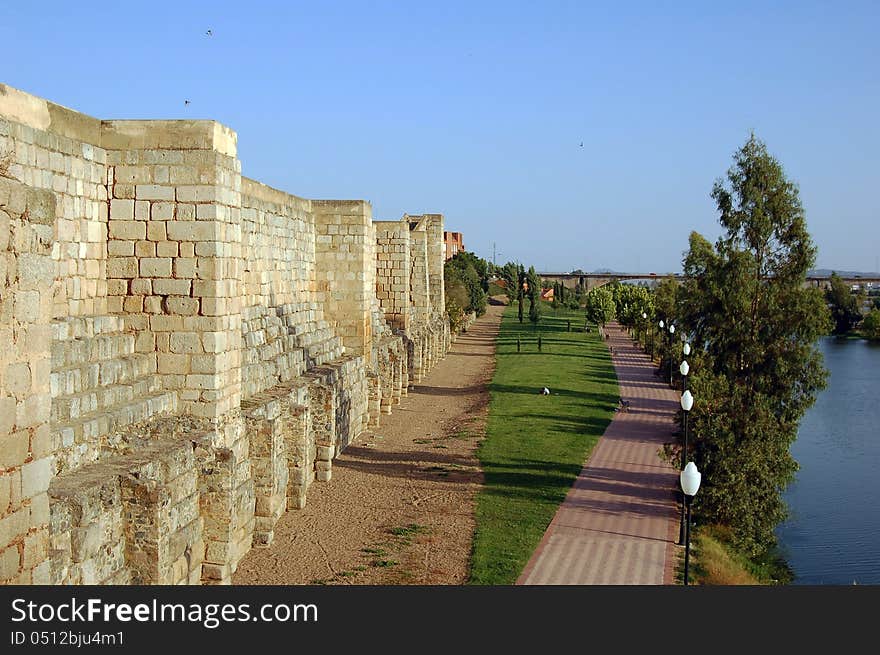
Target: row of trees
x,y
753,327
522,285
846,309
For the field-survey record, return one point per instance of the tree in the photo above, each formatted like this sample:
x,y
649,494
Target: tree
x,y
467,269
755,366
871,325
533,290
844,305
600,306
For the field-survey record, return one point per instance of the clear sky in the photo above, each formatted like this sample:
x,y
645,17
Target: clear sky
x,y
477,109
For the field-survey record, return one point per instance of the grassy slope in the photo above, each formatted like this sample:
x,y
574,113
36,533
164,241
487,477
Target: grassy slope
x,y
717,562
536,445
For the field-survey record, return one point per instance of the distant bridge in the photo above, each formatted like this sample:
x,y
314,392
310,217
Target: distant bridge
x,y
588,281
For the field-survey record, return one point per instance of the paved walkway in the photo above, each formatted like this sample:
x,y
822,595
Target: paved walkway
x,y
619,522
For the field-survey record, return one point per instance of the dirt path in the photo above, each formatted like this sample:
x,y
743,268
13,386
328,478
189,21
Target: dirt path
x,y
400,506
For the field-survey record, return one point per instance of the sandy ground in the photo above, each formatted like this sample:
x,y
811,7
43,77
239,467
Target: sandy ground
x,y
399,508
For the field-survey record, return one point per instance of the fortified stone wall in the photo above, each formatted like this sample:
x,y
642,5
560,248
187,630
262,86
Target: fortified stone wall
x,y
188,350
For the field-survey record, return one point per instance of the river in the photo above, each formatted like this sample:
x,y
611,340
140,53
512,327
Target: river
x,y
833,533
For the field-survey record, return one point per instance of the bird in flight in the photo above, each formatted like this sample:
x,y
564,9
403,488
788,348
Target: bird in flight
x,y
209,33
582,144
185,102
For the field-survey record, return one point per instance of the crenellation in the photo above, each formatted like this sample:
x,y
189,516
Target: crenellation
x,y
191,349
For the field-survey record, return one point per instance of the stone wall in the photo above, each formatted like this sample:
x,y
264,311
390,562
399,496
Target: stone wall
x,y
26,444
189,350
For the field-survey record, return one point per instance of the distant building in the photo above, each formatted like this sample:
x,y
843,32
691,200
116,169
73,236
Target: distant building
x,y
452,244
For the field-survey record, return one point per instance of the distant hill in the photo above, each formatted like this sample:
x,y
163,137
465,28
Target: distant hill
x,y
826,272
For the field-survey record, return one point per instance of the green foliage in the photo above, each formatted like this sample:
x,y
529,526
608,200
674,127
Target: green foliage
x,y
630,302
471,272
536,445
871,325
844,305
756,368
600,305
533,290
512,273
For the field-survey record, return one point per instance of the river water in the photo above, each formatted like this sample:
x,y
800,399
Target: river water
x,y
833,534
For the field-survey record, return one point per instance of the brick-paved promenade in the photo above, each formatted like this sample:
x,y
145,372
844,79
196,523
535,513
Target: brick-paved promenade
x,y
619,522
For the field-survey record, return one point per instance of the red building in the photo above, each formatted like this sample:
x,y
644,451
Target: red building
x,y
452,244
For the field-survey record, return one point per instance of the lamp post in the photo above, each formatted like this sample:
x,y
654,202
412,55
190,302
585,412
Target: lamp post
x,y
662,325
685,367
645,324
687,403
671,333
690,484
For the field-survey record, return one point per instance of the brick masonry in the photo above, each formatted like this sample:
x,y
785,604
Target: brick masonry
x,y
187,350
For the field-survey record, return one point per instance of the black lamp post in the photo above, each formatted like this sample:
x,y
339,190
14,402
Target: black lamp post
x,y
687,403
690,484
660,333
645,325
671,333
686,350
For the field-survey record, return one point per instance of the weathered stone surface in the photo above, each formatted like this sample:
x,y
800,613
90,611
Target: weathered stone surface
x,y
189,350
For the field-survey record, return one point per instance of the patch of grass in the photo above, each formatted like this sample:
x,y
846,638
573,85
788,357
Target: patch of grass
x,y
383,563
715,561
374,550
408,530
536,445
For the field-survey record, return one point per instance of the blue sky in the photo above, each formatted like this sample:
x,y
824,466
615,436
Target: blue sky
x,y
477,109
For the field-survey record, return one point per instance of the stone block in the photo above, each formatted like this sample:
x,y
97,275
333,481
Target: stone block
x,y
155,267
142,210
162,211
130,230
141,287
133,304
17,379
122,267
10,563
167,249
145,249
173,364
184,267
153,304
122,210
171,287
198,193
36,549
35,271
7,417
193,231
153,192
14,525
35,477
186,342
117,248
182,305
26,306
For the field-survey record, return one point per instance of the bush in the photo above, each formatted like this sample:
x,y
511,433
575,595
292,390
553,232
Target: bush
x,y
871,325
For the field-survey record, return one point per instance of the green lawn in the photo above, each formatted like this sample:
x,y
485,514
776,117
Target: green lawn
x,y
536,445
